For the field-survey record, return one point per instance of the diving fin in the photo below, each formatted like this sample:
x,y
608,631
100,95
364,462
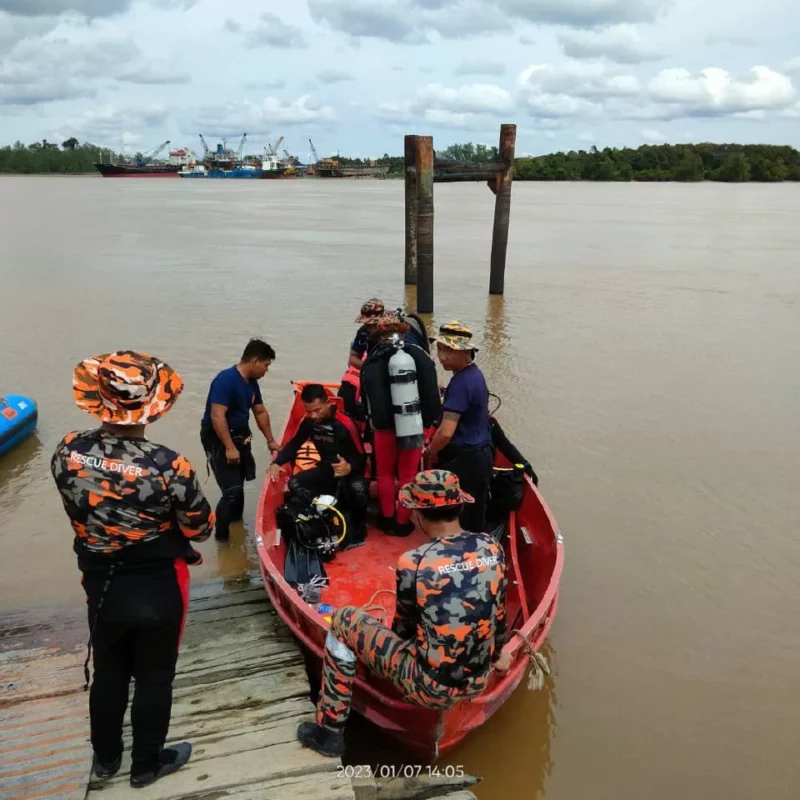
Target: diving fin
x,y
302,565
291,566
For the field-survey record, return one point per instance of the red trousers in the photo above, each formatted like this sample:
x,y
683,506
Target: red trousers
x,y
391,464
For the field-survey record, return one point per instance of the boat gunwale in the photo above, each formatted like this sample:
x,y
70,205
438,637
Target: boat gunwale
x,y
534,631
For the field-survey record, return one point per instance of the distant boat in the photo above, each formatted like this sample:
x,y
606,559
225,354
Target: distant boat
x,y
333,169
18,419
241,171
133,171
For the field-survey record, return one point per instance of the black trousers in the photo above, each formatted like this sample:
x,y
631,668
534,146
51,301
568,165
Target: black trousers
x,y
473,466
137,635
230,479
352,492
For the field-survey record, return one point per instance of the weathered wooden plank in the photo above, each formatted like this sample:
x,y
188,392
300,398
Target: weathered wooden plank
x,y
228,599
307,787
231,612
223,724
241,769
217,586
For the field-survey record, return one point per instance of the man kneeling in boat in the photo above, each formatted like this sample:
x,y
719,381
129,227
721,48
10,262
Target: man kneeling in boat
x,y
448,629
340,470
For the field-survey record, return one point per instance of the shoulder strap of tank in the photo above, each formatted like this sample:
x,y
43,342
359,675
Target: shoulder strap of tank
x,y
419,328
352,428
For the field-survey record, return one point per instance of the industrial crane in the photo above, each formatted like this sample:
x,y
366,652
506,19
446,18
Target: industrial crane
x,y
146,159
206,149
241,146
272,150
314,152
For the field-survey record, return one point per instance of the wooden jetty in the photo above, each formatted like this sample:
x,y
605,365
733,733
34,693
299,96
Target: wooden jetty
x,y
240,693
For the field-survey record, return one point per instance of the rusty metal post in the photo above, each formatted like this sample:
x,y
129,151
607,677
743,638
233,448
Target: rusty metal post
x,y
424,224
411,210
502,209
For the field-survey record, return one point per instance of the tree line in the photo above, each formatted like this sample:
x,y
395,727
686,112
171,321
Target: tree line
x,y
733,163
71,157
730,163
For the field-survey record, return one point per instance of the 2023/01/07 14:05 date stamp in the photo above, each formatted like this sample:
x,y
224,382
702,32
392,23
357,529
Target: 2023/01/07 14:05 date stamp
x,y
402,771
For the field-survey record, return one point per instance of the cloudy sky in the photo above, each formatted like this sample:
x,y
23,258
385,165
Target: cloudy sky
x,y
355,75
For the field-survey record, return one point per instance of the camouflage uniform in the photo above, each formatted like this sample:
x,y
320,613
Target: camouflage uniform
x,y
135,508
449,624
122,492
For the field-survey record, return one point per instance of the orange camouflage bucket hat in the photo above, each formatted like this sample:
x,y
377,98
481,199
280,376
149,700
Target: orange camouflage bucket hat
x,y
371,310
386,324
126,387
434,488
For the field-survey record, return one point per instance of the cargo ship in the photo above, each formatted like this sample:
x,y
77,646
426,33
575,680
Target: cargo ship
x,y
333,168
122,170
336,170
146,166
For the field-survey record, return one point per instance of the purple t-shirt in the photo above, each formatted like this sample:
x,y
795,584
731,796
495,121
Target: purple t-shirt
x,y
468,395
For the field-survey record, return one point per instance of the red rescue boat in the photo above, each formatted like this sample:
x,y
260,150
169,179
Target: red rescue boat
x,y
535,556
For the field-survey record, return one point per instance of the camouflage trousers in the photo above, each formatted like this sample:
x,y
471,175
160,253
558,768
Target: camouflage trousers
x,y
356,636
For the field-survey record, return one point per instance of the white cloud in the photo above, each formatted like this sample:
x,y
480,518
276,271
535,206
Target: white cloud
x,y
589,138
413,21
714,90
262,117
475,98
58,66
622,44
652,135
269,31
579,79
109,125
88,8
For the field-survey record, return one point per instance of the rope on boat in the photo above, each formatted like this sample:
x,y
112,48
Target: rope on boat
x,y
539,664
370,606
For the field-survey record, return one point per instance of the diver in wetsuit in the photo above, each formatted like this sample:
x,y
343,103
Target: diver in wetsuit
x,y
341,466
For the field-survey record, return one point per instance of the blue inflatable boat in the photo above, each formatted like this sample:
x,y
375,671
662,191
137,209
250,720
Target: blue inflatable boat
x,y
18,418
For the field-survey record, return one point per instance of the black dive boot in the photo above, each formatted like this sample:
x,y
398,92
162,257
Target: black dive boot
x,y
324,740
172,759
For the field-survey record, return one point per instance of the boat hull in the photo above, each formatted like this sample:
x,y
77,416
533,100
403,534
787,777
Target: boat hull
x,y
534,551
132,171
18,419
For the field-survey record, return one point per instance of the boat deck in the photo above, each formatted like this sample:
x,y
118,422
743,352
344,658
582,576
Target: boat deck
x,y
354,578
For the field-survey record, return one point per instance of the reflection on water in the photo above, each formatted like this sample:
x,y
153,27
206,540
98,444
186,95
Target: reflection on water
x,y
646,354
16,473
528,722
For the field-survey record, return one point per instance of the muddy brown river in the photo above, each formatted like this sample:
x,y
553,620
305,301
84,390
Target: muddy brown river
x,y
647,352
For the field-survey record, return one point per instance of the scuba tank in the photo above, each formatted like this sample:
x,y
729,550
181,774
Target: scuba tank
x,y
405,398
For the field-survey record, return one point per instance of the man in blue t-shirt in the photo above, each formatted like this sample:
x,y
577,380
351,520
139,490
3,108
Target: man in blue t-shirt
x,y
463,441
225,429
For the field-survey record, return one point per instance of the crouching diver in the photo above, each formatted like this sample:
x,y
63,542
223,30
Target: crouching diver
x,y
135,508
340,471
449,626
